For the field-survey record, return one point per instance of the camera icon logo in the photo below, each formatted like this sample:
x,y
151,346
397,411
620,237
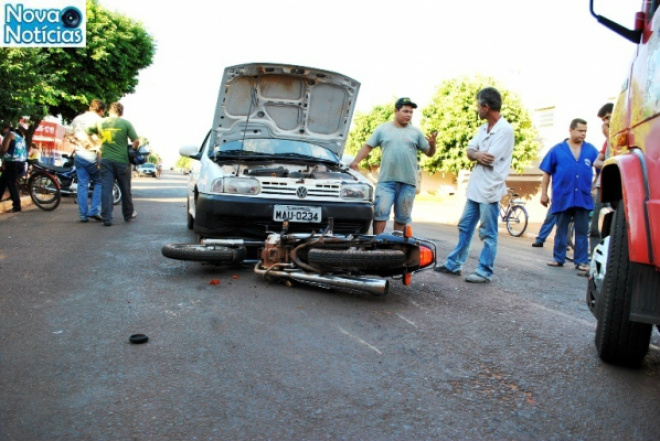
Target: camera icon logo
x,y
71,17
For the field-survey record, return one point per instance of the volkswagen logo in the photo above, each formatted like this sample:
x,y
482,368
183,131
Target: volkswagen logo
x,y
301,192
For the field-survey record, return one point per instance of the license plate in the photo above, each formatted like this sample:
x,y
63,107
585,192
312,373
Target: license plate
x,y
297,213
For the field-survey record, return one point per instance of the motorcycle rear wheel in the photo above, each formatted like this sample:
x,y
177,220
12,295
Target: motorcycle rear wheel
x,y
116,194
201,253
356,259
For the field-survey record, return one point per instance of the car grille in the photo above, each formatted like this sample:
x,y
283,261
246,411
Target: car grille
x,y
288,188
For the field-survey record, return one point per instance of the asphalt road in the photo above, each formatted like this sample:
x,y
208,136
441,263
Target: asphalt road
x,y
246,360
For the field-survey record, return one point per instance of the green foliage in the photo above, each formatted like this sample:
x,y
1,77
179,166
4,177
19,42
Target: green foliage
x,y
184,163
364,125
452,113
27,86
62,81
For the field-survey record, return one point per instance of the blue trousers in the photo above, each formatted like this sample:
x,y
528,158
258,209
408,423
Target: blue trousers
x,y
580,217
88,172
487,216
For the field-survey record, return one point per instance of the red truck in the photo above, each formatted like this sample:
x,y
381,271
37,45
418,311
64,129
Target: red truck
x,y
624,279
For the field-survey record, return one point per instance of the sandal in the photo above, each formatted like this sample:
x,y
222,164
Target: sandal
x,y
582,267
555,264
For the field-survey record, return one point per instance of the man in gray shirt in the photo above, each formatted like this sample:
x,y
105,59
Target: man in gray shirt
x,y
397,178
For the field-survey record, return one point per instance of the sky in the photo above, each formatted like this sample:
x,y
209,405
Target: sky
x,y
549,53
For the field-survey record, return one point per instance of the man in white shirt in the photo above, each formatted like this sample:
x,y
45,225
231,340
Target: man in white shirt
x,y
86,161
492,149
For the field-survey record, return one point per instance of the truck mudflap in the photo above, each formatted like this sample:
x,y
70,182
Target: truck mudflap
x,y
645,301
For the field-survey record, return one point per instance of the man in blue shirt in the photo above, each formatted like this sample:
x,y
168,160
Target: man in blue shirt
x,y
569,165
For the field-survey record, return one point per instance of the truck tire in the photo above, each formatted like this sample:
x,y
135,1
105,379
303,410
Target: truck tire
x,y
619,340
359,259
201,253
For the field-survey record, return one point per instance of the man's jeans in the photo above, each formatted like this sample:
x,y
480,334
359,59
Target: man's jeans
x,y
581,218
549,224
111,171
487,216
88,172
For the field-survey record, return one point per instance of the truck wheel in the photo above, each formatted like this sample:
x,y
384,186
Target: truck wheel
x,y
201,253
359,259
619,340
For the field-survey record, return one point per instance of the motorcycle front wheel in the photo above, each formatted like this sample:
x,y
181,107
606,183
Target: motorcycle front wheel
x,y
201,253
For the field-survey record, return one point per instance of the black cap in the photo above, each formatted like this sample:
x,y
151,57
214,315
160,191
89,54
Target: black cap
x,y
404,102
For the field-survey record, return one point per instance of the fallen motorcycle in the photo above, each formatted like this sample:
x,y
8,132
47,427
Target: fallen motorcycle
x,y
324,260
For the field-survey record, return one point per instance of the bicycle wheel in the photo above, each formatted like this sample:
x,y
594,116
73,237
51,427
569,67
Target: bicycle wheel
x,y
516,221
44,191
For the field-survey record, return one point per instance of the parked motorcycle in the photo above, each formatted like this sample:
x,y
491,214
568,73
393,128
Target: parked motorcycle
x,y
323,260
68,179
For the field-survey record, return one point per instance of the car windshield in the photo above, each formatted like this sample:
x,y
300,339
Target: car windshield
x,y
272,148
148,166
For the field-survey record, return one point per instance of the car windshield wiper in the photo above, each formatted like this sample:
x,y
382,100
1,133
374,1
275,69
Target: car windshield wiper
x,y
306,157
238,152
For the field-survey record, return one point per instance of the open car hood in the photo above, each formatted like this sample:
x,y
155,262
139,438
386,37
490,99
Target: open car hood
x,y
266,100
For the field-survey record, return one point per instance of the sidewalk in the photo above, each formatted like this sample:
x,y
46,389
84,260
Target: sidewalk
x,y
5,206
448,210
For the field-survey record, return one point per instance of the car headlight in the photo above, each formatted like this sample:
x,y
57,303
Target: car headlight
x,y
236,186
356,192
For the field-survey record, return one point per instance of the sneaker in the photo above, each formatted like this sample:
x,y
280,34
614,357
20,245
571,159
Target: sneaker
x,y
84,219
97,217
15,210
107,223
537,244
133,216
476,278
445,270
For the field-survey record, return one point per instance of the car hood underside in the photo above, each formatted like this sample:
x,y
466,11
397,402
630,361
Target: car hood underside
x,y
263,100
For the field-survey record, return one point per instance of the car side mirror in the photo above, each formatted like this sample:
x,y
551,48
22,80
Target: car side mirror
x,y
191,151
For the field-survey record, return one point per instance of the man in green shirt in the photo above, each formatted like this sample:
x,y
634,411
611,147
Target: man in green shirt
x,y
114,132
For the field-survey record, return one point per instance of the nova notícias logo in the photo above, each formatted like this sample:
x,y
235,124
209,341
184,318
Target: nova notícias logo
x,y
26,26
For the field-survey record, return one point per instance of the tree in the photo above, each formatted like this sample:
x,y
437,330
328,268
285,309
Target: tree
x,y
184,163
364,125
63,81
452,114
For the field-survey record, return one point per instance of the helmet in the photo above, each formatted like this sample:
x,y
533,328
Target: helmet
x,y
139,156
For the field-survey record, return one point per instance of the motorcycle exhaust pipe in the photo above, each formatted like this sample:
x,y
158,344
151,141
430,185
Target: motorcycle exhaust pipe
x,y
232,242
377,287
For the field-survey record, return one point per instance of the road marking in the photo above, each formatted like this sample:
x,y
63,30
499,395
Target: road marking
x,y
570,317
373,348
410,322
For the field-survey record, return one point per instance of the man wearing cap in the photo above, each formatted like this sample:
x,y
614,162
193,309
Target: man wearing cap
x,y
492,149
397,178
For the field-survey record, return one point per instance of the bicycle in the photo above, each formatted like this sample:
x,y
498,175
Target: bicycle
x,y
42,186
514,214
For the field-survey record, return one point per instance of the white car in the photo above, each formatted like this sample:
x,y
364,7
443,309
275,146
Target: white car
x,y
273,154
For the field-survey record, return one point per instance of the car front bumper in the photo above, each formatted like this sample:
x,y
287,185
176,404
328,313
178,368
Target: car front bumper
x,y
249,217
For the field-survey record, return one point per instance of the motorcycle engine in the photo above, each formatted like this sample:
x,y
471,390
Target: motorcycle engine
x,y
273,253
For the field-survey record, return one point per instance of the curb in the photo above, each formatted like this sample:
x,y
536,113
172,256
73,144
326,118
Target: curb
x,y
6,206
